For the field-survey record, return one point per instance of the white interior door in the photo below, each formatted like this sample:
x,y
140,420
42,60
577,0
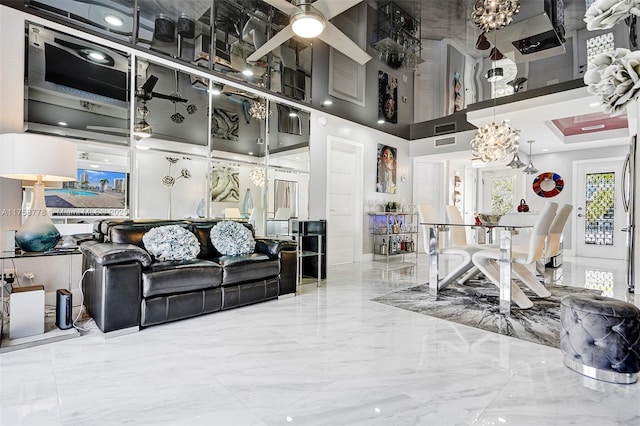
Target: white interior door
x,y
345,204
599,214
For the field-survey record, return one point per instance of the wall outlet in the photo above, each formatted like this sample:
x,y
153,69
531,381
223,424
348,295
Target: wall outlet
x,y
9,276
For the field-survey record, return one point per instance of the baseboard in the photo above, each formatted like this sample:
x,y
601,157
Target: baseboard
x,y
287,296
121,332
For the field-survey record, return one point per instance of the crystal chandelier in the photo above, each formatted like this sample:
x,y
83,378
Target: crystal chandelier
x,y
494,141
491,15
258,111
257,176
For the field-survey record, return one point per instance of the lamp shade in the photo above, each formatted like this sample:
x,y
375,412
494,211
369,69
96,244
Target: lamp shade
x,y
27,156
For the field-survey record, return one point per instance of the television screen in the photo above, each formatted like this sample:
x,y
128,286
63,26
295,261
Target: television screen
x,y
96,192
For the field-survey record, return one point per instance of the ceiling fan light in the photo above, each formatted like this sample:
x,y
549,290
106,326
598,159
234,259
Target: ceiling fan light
x,y
307,24
495,74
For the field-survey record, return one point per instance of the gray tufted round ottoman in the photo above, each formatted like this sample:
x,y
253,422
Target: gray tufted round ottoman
x,y
600,337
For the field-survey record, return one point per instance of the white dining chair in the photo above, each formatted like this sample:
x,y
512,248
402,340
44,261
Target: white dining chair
x,y
428,214
466,270
554,238
486,260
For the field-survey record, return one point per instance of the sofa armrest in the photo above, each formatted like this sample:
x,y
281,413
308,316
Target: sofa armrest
x,y
112,283
113,253
288,269
273,247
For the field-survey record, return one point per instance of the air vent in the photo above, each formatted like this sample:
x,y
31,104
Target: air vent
x,y
445,141
442,129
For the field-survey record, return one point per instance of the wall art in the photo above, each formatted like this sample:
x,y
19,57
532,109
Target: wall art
x,y
387,97
386,169
225,124
225,184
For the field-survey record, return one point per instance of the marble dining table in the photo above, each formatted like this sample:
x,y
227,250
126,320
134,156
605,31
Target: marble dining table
x,y
505,237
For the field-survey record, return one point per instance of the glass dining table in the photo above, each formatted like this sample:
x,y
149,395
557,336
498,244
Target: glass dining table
x,y
505,235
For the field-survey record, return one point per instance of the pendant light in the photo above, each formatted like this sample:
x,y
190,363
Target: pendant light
x,y
494,141
530,169
516,162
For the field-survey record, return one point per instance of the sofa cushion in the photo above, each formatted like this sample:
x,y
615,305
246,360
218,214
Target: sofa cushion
x,y
249,267
171,242
232,238
163,278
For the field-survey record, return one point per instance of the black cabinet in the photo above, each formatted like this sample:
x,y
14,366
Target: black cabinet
x,y
310,236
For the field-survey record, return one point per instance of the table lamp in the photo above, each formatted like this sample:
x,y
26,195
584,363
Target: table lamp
x,y
27,156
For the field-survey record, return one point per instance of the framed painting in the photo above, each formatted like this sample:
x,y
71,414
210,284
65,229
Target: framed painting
x,y
386,169
387,97
225,124
225,184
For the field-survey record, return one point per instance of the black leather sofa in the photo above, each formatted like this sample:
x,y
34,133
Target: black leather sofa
x,y
129,288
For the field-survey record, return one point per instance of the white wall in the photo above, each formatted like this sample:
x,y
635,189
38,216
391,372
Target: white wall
x,y
325,125
11,110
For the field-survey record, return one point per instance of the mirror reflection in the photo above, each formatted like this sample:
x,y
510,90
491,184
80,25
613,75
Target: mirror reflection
x,y
76,88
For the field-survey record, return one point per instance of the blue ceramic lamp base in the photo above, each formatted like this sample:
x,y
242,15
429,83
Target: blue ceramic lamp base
x,y
38,233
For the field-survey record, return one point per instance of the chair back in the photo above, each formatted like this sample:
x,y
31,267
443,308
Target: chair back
x,y
458,233
427,213
232,213
283,213
555,231
540,232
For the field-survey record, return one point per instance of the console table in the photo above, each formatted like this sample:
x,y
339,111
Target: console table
x,y
52,332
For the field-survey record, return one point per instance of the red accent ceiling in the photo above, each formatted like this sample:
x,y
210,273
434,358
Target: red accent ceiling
x,y
590,123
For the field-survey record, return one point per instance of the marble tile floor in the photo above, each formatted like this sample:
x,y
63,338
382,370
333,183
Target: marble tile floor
x,y
328,356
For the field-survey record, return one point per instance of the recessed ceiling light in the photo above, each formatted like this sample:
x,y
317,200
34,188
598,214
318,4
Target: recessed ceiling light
x,y
596,127
506,120
97,56
247,72
297,158
380,121
114,20
327,102
142,147
545,149
594,104
94,166
62,123
293,114
250,153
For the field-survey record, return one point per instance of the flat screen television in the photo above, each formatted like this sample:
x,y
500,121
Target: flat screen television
x,y
95,193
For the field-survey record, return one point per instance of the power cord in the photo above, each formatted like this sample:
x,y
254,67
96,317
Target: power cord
x,y
77,327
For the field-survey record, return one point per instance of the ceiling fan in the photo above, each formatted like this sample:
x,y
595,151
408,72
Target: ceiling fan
x,y
311,19
145,92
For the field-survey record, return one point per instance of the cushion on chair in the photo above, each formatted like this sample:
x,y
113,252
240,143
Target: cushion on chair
x,y
601,332
232,238
171,242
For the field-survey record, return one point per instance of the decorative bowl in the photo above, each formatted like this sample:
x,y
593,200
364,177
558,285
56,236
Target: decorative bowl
x,y
489,219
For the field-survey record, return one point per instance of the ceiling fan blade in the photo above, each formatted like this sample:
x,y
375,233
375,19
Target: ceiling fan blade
x,y
331,8
336,39
150,83
284,6
283,35
169,97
